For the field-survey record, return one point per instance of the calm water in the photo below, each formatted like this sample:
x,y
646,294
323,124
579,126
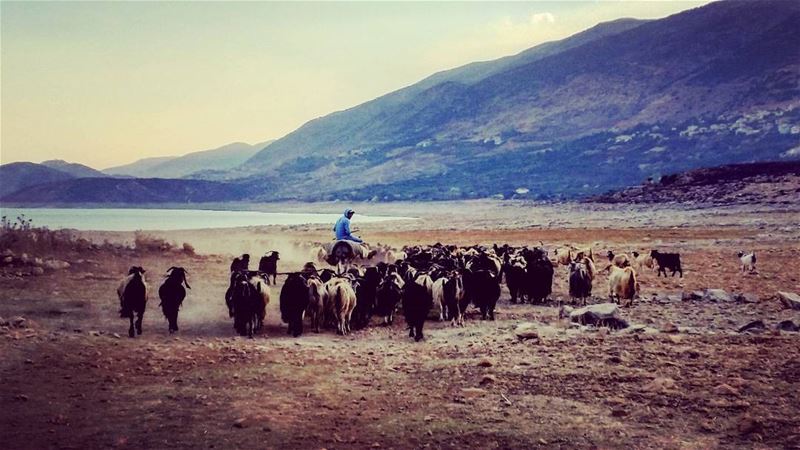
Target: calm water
x,y
170,219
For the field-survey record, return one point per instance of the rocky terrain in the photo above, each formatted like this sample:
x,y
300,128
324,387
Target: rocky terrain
x,y
707,361
757,183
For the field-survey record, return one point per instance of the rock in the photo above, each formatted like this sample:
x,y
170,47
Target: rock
x,y
53,264
746,298
19,322
716,295
38,262
4,322
526,330
601,314
473,392
116,335
487,379
24,258
756,326
726,389
7,252
239,423
38,271
618,412
750,425
8,260
695,295
789,299
660,385
669,327
786,325
485,363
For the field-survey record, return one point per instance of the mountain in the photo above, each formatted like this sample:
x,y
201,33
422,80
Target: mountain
x,y
600,110
74,169
771,182
16,176
126,190
218,159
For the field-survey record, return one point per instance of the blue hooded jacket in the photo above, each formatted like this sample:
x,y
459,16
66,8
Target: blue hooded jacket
x,y
342,228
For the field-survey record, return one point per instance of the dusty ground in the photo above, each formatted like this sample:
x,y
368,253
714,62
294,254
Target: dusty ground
x,y
68,381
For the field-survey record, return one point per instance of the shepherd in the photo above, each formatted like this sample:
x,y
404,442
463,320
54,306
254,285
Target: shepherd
x,y
342,227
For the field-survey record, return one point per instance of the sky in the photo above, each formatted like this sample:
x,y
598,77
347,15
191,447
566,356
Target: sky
x,y
105,84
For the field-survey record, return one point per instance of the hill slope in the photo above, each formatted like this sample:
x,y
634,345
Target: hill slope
x,y
222,158
16,176
127,190
74,169
710,86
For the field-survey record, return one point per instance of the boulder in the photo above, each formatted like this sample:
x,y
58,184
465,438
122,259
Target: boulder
x,y
786,325
53,264
526,330
756,326
716,295
746,298
601,314
24,258
8,260
789,299
694,295
37,271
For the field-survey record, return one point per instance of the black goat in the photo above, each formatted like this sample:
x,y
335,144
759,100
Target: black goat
x,y
417,302
293,303
242,263
268,265
387,297
671,261
132,292
538,283
485,292
172,294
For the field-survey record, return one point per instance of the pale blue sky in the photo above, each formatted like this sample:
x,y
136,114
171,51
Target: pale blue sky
x,y
107,83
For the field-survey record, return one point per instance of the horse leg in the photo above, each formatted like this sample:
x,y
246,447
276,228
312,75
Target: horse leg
x,y
131,333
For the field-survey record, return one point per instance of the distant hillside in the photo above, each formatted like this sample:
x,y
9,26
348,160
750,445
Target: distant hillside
x,y
222,158
769,182
74,169
16,176
127,190
601,110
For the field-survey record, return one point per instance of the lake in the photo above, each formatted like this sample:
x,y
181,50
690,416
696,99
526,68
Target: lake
x,y
124,219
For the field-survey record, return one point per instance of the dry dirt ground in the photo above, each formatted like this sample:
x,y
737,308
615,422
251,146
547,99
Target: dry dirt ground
x,y
68,380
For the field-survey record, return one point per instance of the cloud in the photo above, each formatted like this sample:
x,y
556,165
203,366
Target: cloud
x,y
545,17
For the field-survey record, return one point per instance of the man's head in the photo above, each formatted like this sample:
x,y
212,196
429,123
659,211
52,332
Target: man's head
x,y
349,213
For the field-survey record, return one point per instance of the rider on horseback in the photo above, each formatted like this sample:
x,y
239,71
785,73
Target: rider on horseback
x,y
342,227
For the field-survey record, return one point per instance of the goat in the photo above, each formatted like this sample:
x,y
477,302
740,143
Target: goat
x,y
268,265
172,293
388,297
622,284
241,263
340,300
294,301
748,261
417,302
642,260
453,296
618,260
315,310
133,296
666,261
563,256
580,280
486,292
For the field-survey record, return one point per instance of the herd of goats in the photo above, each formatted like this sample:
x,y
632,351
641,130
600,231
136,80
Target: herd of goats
x,y
425,282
